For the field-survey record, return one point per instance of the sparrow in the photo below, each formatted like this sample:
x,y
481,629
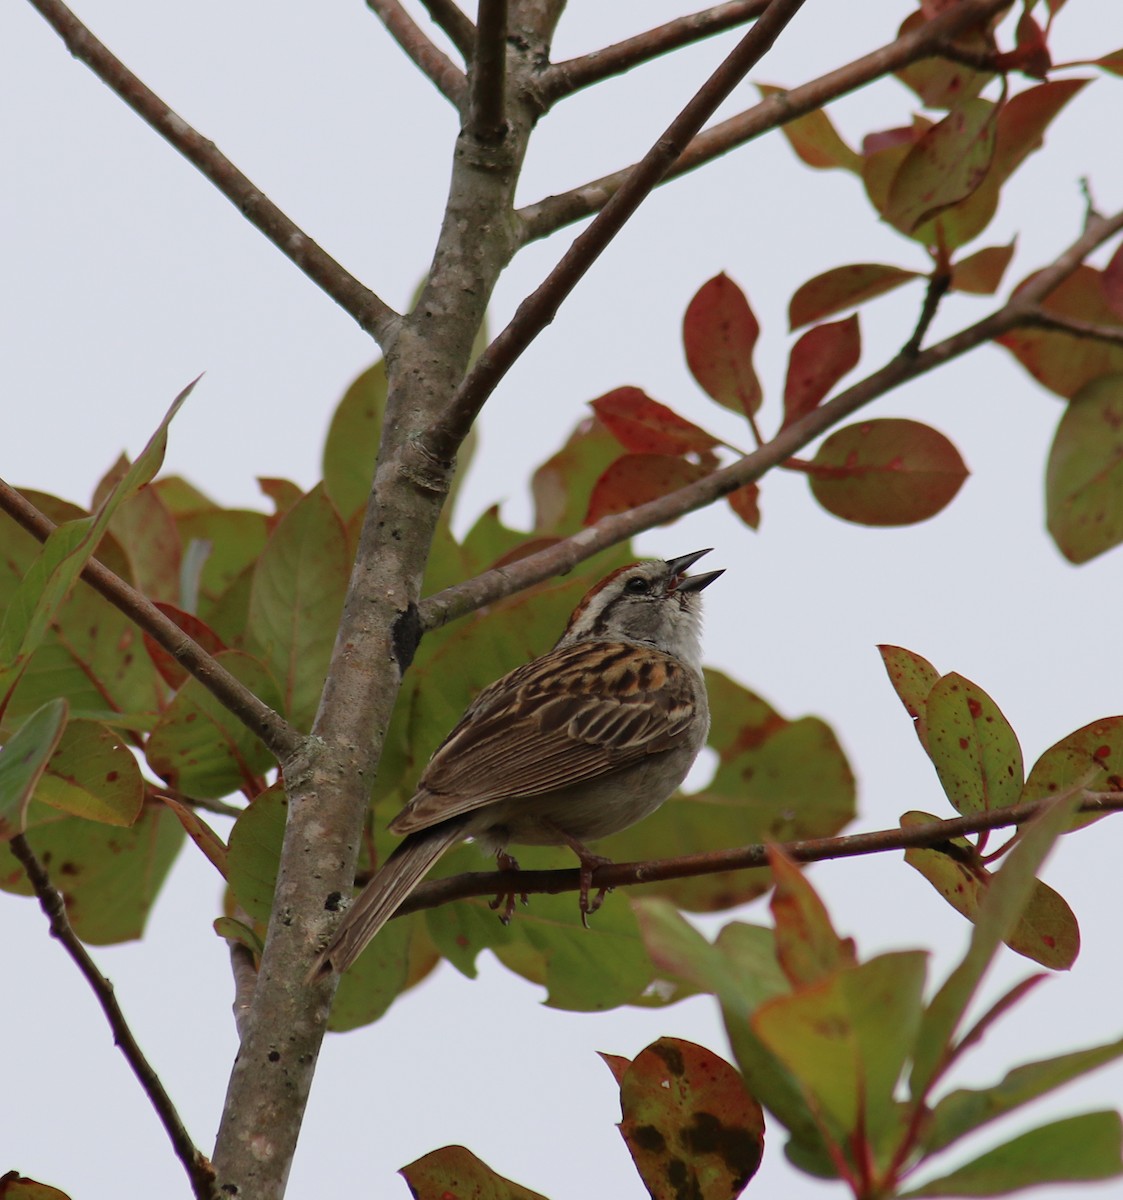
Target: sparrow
x,y
575,745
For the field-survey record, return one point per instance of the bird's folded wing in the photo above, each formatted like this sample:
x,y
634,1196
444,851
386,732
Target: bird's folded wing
x,y
575,714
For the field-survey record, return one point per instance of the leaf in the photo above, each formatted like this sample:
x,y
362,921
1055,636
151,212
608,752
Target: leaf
x,y
644,426
745,503
283,492
967,1109
886,472
23,758
818,360
807,947
815,139
939,82
200,748
981,273
147,531
689,1123
352,443
1046,931
634,479
1063,363
233,540
561,486
847,1037
297,596
199,631
453,1173
93,774
945,165
719,332
1009,891
14,1186
1091,756
777,781
1112,63
378,977
1072,1150
913,678
1084,476
212,846
109,877
975,752
841,288
1111,282
254,850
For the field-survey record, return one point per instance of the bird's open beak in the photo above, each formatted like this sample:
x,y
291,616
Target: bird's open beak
x,y
680,582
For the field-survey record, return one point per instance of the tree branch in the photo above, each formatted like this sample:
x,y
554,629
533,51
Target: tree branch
x,y
562,556
358,301
935,836
938,283
564,78
487,103
441,71
457,26
274,731
443,438
197,1165
1040,319
548,215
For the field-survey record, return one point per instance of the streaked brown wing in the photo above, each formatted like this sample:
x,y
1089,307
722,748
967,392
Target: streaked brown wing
x,y
586,710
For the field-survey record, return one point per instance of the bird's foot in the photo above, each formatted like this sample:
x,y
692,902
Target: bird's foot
x,y
506,862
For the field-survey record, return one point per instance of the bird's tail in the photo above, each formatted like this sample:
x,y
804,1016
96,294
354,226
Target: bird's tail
x,y
379,900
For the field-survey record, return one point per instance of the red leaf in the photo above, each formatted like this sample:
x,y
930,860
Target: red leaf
x,y
886,472
1112,62
634,479
818,361
719,332
1031,53
841,288
199,631
981,273
644,426
1025,118
1111,282
745,502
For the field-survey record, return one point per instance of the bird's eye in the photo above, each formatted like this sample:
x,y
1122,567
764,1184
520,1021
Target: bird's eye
x,y
636,586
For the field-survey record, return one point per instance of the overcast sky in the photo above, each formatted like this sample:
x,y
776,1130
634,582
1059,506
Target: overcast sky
x,y
127,274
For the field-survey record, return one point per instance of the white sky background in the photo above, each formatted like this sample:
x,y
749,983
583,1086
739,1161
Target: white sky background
x,y
126,275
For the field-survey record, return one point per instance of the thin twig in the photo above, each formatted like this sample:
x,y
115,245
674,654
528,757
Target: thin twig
x,y
562,556
439,68
1040,319
564,78
443,438
550,214
371,313
487,86
273,730
938,284
195,1163
935,836
456,24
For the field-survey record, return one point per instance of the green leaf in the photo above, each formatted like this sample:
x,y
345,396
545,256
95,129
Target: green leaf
x,y
1009,892
23,759
1092,757
379,975
453,1171
815,139
886,472
912,678
967,1109
109,877
200,748
945,165
561,486
233,540
93,774
1073,1150
353,439
298,589
1084,476
66,553
939,82
777,781
846,1039
807,947
254,850
690,1125
974,750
